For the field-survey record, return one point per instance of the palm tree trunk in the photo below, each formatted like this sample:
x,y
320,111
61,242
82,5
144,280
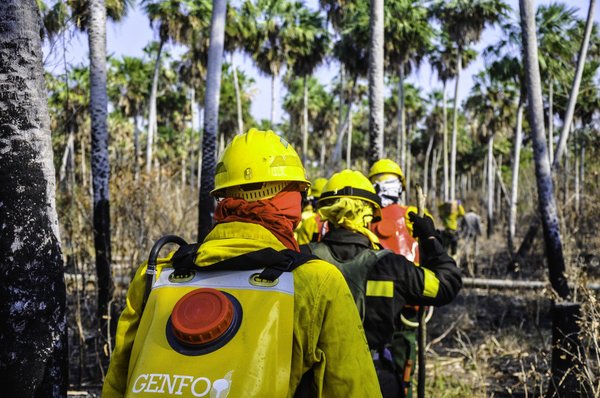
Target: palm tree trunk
x,y
211,117
401,144
445,140
136,149
434,168
455,127
577,169
514,188
273,98
66,165
406,192
426,170
337,150
551,121
547,204
582,180
490,187
100,162
238,98
152,126
304,119
33,352
349,143
564,134
376,119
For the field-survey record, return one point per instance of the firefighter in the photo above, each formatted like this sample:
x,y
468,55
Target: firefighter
x,y
311,226
381,281
450,213
395,233
244,314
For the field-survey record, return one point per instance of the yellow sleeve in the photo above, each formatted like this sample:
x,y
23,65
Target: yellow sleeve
x,y
115,382
332,339
306,230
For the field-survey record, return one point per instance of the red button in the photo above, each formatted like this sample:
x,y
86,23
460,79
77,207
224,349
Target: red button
x,y
386,228
201,316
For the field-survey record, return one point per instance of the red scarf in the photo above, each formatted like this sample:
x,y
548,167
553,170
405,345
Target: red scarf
x,y
279,214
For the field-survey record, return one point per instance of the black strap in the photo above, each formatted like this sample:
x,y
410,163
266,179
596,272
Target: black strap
x,y
275,262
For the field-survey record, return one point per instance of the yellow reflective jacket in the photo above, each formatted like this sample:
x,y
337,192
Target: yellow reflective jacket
x,y
328,336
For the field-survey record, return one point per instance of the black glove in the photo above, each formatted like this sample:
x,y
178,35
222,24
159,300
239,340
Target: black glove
x,y
423,227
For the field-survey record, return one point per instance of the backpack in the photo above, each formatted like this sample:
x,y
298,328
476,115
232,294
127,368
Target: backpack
x,y
355,271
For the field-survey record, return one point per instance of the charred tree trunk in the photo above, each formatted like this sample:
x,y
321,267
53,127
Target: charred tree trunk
x,y
545,186
152,126
33,332
564,373
100,162
211,118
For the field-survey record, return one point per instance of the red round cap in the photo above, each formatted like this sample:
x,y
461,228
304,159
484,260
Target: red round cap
x,y
385,228
201,316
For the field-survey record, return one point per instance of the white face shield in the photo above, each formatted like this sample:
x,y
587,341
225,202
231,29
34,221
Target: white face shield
x,y
389,191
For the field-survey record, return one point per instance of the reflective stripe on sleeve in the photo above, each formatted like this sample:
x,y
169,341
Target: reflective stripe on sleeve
x,y
380,288
431,284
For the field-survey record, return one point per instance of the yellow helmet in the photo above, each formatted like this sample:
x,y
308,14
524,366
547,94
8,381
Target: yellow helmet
x,y
351,184
257,165
386,166
317,187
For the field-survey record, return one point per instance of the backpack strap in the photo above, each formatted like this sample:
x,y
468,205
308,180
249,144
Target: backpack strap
x,y
275,262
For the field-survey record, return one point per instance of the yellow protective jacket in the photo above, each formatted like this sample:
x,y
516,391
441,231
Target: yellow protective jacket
x,y
450,212
328,336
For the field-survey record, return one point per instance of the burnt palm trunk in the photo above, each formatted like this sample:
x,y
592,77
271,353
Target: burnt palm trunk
x,y
33,332
455,127
514,189
99,157
211,117
566,345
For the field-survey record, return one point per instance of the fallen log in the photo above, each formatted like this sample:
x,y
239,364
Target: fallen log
x,y
514,284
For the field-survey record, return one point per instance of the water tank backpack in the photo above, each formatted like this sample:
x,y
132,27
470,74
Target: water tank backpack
x,y
217,331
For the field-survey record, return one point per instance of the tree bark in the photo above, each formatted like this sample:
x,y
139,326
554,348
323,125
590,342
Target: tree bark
x,y
273,98
211,118
568,119
152,126
376,101
401,144
337,150
514,187
551,121
349,143
455,128
304,119
33,331
445,140
100,161
546,200
426,169
238,98
490,187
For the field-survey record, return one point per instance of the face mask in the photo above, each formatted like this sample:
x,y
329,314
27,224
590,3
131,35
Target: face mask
x,y
389,191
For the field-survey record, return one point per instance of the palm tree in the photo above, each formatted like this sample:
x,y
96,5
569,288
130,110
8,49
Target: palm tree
x,y
555,24
309,42
100,164
464,21
211,117
34,350
568,118
269,25
408,36
492,102
128,91
166,16
554,253
376,61
443,60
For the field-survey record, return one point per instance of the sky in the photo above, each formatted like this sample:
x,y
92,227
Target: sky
x,y
131,35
